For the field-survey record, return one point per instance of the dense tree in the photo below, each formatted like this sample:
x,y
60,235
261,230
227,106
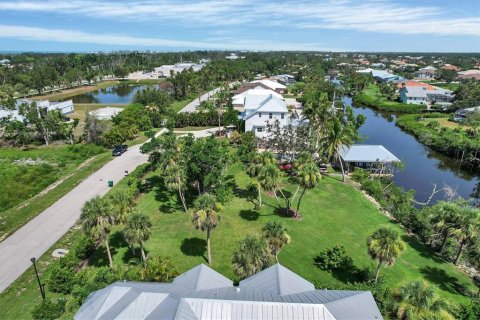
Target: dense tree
x,y
206,216
97,219
275,233
45,122
385,246
122,203
159,269
252,256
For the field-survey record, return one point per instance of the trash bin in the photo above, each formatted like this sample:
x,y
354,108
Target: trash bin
x,y
110,183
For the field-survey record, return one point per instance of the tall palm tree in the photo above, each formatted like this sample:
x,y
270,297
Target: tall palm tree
x,y
443,216
97,218
275,234
466,229
339,134
254,168
137,231
175,179
251,256
385,246
269,179
308,176
122,205
418,301
206,217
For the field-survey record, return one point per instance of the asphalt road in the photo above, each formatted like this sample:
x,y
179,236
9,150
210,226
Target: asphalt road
x,y
43,231
192,106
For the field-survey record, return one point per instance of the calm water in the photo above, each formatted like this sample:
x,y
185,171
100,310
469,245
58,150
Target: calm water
x,y
122,93
423,167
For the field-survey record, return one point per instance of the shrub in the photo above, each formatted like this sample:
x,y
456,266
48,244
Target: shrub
x,y
333,259
60,278
48,309
83,247
235,138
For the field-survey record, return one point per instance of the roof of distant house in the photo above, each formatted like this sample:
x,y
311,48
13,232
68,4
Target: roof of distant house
x,y
450,67
271,84
415,92
366,153
257,92
273,293
413,83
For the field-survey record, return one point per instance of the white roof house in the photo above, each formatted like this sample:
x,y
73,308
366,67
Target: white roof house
x,y
252,97
261,110
202,293
65,107
366,153
275,86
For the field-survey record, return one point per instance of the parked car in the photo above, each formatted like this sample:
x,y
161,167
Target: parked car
x,y
119,150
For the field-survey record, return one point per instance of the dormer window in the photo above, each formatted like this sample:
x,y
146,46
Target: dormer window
x,y
270,115
259,114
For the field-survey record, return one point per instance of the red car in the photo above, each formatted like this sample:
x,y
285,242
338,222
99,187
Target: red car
x,y
286,166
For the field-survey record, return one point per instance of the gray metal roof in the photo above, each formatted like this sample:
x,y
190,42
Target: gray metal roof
x,y
202,278
278,280
180,300
366,153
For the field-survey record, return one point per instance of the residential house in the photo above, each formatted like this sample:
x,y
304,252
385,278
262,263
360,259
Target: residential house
x,y
378,65
250,85
472,74
239,100
65,107
425,95
202,293
232,56
413,95
273,85
448,66
285,79
375,158
261,110
427,73
462,114
4,62
381,75
169,70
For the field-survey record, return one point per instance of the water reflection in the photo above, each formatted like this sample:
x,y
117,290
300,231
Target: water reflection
x,y
423,166
121,94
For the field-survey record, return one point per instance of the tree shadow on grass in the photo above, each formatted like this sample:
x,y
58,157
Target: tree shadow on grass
x,y
100,257
348,273
424,251
443,280
194,247
249,215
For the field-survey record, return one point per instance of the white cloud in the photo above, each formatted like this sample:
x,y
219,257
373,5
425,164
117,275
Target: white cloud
x,y
61,35
368,15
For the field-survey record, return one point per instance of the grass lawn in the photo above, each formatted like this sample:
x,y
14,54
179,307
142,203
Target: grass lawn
x,y
19,182
444,122
372,97
333,213
179,105
191,129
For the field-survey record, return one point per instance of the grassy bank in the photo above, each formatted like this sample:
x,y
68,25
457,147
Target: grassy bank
x,y
371,97
24,182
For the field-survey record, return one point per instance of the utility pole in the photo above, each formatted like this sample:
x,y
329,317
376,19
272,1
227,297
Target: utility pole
x,y
40,285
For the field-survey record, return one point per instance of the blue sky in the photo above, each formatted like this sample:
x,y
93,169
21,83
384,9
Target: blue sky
x,y
337,25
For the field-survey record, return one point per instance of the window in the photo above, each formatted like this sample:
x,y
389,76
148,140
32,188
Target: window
x,y
259,114
283,115
270,115
259,129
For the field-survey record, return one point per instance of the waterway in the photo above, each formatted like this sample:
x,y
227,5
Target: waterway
x,y
117,94
423,167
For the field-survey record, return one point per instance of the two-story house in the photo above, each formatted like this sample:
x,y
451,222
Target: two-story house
x,y
261,110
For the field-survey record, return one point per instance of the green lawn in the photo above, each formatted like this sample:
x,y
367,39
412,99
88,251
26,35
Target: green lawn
x,y
371,97
333,213
179,105
20,182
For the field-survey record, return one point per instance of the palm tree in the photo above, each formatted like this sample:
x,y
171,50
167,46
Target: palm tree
x,y
339,134
174,175
97,219
418,301
254,168
276,236
159,269
443,216
137,231
122,205
385,246
269,179
466,229
308,176
251,256
206,217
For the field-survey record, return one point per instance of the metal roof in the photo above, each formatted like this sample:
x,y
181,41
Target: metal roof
x,y
181,300
366,153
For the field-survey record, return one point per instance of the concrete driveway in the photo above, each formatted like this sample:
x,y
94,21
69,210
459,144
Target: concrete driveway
x,y
43,231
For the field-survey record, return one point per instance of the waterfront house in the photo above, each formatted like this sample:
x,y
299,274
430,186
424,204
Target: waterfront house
x,y
261,110
413,95
202,293
425,95
375,158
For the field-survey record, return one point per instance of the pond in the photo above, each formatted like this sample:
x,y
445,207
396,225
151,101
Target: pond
x,y
118,94
423,166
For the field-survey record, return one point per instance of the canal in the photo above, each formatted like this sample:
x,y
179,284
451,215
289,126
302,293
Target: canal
x,y
422,167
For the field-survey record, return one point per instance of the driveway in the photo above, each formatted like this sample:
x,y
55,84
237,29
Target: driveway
x,y
43,231
192,106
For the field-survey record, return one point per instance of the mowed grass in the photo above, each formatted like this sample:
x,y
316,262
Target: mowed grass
x,y
179,105
332,213
444,122
25,173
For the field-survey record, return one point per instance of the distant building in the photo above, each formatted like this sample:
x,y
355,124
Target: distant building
x,y
65,107
472,74
232,56
202,293
462,114
167,71
450,67
4,62
427,73
425,95
381,75
378,65
285,79
273,85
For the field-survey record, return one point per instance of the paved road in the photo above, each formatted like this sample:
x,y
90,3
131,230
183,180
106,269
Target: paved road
x,y
43,231
200,133
192,106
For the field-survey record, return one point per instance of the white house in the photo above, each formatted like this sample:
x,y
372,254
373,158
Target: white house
x,y
239,100
275,86
263,110
424,95
65,107
426,73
